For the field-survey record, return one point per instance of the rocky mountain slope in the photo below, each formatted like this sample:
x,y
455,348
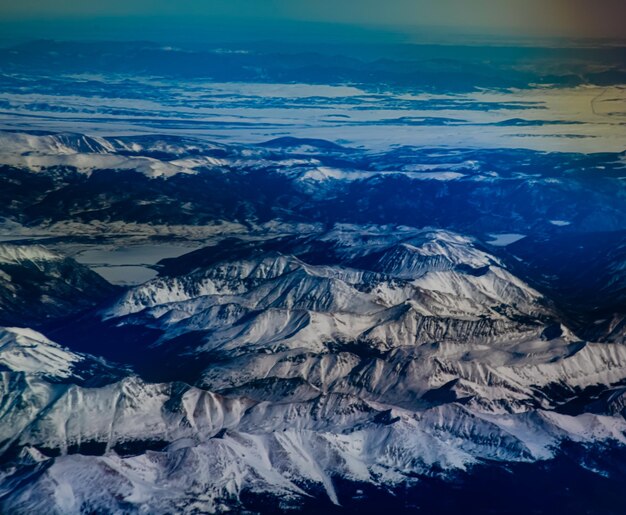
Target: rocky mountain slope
x,y
308,369
357,331
37,285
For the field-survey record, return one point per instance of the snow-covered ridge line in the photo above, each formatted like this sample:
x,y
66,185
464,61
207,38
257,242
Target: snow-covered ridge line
x,y
290,449
387,355
382,270
431,307
26,350
145,411
15,254
164,156
89,153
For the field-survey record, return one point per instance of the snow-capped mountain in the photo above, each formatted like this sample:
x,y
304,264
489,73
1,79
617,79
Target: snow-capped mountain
x,y
52,183
355,328
421,311
307,368
128,437
268,265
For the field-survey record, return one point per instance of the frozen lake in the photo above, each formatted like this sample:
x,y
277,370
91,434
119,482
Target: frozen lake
x,y
125,275
129,265
133,255
504,239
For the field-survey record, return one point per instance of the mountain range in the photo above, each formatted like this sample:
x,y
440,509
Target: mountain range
x,y
343,330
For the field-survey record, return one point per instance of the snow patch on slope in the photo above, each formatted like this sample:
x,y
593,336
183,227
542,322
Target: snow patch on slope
x,y
25,350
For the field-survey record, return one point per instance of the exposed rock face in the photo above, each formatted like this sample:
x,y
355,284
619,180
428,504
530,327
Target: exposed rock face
x,y
37,286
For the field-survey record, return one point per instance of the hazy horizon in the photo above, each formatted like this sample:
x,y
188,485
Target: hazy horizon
x,y
405,21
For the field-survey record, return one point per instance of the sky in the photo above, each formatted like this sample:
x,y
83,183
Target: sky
x,y
123,19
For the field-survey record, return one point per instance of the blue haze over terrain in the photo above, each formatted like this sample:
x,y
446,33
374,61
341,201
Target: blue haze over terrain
x,y
338,256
